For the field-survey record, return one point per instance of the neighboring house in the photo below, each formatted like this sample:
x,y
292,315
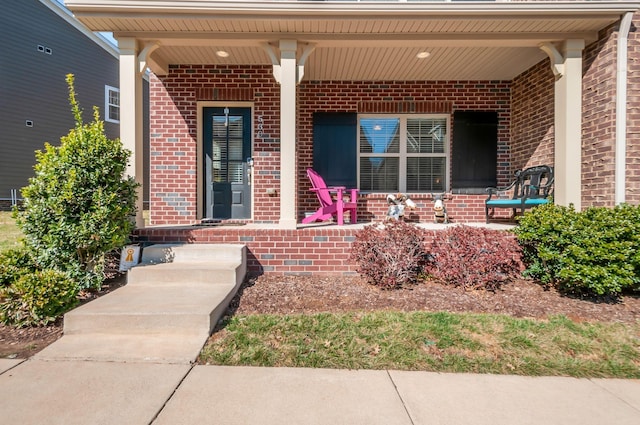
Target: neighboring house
x,y
41,43
415,96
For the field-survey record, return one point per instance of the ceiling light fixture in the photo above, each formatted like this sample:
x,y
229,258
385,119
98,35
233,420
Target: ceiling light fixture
x,y
222,54
423,55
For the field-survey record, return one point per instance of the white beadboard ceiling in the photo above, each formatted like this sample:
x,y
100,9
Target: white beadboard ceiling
x,y
356,40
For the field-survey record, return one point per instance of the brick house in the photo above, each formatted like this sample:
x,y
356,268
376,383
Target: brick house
x,y
386,96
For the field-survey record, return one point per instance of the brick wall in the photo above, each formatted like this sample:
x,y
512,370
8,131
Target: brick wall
x,y
532,131
532,117
174,130
393,96
174,136
598,120
633,115
274,251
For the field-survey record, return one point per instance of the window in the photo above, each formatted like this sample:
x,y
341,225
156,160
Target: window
x,y
404,153
111,104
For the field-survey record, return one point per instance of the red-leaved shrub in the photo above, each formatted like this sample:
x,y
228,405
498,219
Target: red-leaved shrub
x,y
389,255
474,257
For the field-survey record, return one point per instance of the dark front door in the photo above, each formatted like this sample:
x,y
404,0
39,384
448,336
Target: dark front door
x,y
227,148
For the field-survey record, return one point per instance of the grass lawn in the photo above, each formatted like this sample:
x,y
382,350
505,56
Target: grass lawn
x,y
440,342
9,232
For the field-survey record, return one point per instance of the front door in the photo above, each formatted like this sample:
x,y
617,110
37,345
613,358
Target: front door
x,y
227,149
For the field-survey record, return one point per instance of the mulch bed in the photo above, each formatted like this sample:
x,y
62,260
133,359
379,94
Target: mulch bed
x,y
521,298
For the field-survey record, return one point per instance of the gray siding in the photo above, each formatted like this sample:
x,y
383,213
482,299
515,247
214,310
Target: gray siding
x,y
33,87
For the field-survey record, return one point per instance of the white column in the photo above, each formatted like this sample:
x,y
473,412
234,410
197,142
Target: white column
x,y
568,127
288,82
131,115
621,109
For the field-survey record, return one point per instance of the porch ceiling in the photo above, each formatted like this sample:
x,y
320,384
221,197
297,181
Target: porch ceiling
x,y
356,40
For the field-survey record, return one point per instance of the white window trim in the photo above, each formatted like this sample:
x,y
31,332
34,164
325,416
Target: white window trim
x,y
402,154
107,91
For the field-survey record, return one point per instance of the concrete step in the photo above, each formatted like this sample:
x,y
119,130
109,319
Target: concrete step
x,y
223,257
189,309
165,313
178,253
159,348
213,272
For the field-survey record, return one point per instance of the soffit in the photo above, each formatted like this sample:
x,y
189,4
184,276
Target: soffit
x,y
368,42
347,24
377,63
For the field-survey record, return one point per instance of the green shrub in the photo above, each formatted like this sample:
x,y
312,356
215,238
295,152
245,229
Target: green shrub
x,y
596,251
37,298
78,206
474,258
389,255
15,262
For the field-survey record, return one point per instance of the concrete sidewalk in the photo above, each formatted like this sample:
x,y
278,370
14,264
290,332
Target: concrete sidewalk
x,y
77,392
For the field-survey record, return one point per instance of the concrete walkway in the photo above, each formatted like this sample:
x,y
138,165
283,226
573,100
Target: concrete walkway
x,y
82,392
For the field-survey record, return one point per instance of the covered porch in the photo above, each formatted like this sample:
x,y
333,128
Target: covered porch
x,y
364,58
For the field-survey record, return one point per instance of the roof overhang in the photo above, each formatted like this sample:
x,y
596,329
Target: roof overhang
x,y
349,40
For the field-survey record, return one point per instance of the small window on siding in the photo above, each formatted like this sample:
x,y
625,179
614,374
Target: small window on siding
x,y
111,104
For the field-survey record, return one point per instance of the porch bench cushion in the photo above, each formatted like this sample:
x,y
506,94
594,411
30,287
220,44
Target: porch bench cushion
x,y
515,203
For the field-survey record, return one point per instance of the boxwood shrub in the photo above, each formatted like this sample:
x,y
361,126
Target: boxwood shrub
x,y
37,298
595,251
15,262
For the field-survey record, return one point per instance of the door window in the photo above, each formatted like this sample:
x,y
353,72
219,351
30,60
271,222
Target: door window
x,y
227,149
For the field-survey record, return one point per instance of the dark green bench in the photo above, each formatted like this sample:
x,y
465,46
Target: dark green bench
x,y
531,187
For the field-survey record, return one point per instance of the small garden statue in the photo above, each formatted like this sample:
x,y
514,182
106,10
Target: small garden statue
x,y
398,202
439,209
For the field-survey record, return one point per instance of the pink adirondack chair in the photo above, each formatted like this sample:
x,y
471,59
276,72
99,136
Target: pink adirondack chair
x,y
328,205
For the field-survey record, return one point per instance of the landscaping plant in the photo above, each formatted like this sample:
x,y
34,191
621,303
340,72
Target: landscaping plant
x,y
15,262
595,251
79,205
29,295
37,298
389,255
473,257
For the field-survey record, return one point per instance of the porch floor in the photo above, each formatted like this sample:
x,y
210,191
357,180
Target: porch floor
x,y
329,225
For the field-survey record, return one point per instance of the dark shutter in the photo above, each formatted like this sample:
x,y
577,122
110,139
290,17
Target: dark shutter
x,y
475,149
334,147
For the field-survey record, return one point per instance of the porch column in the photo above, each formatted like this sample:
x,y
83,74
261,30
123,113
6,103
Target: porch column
x,y
568,127
131,115
288,83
